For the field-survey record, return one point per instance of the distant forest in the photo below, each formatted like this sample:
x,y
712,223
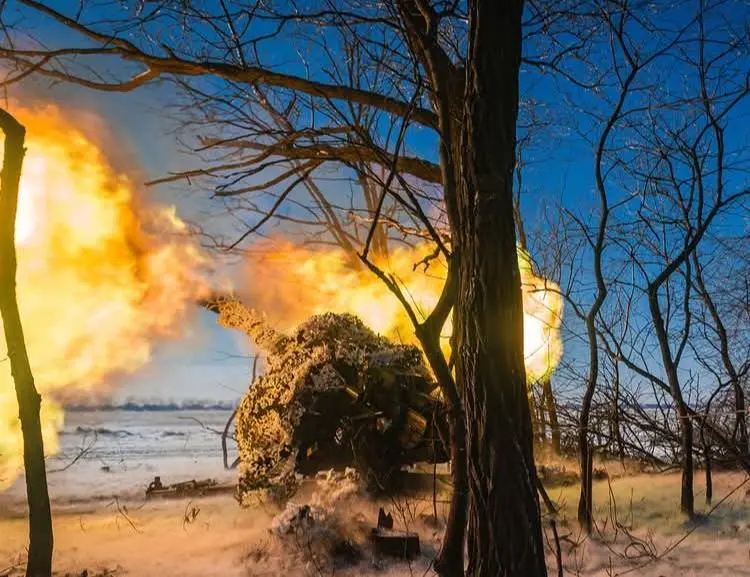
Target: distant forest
x,y
136,406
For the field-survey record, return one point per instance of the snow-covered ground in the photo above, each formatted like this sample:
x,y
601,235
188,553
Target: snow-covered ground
x,y
117,453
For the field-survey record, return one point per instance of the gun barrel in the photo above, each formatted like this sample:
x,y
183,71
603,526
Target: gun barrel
x,y
211,302
234,314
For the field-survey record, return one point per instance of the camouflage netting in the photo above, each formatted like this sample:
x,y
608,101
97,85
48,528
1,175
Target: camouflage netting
x,y
334,393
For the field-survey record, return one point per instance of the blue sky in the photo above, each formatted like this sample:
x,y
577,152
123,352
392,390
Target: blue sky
x,y
208,363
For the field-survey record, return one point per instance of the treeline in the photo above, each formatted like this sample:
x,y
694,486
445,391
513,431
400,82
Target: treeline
x,y
153,406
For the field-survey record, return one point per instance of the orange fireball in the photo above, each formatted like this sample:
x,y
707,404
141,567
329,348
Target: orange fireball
x,y
289,283
100,278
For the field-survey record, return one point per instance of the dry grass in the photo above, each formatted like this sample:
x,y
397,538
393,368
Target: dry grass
x,y
635,516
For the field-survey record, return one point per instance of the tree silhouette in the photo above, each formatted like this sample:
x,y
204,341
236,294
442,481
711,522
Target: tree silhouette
x,y
29,402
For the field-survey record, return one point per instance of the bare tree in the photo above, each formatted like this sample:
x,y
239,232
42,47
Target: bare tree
x,y
366,78
662,172
686,183
620,92
29,402
719,338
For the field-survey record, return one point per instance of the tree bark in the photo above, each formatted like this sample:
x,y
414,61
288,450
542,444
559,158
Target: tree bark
x,y
707,458
29,402
450,560
541,416
534,412
504,529
586,498
585,452
687,500
616,417
551,408
740,423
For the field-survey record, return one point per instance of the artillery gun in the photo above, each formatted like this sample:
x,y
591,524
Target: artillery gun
x,y
334,395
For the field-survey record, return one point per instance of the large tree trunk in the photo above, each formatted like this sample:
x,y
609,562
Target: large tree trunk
x,y
504,529
40,518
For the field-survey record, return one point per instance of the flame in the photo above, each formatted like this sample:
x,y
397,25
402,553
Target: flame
x,y
289,283
99,277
